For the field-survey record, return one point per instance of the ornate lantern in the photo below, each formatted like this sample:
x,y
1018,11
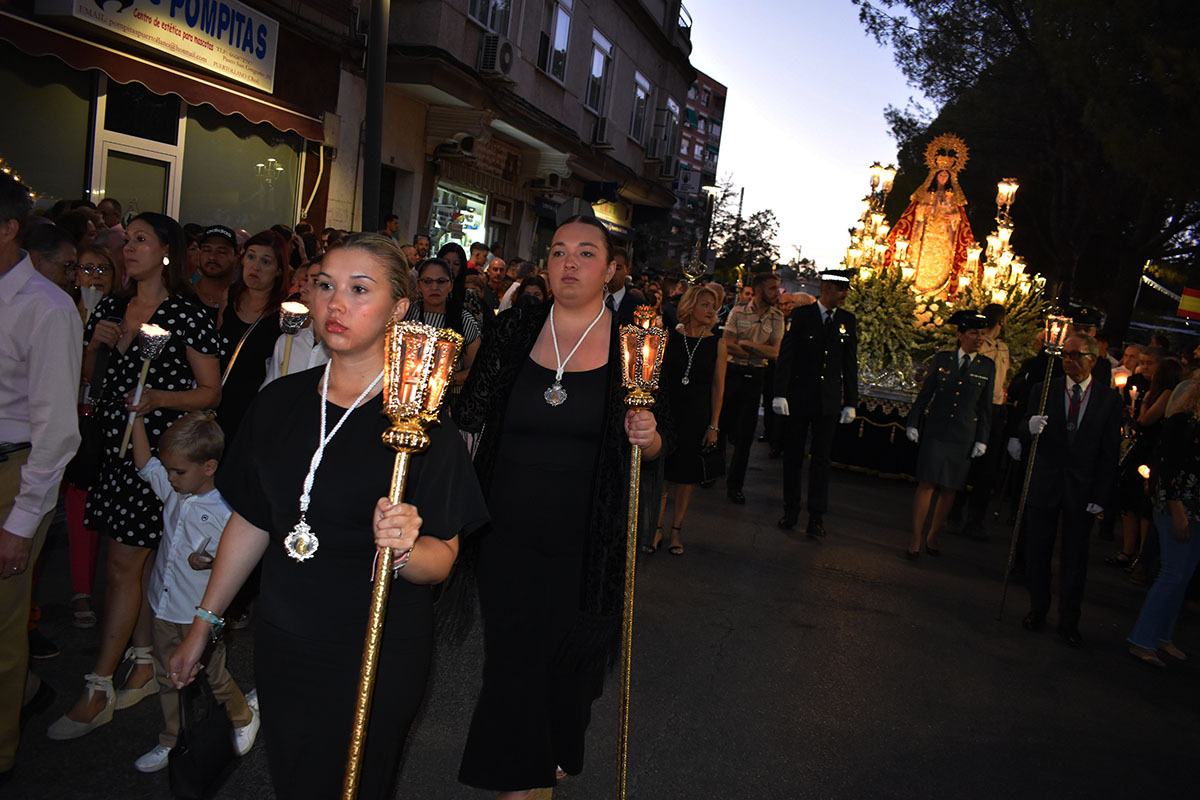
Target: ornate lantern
x,y
1057,330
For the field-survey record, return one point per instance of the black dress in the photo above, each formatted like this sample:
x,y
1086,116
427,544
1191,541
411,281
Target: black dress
x,y
532,715
120,503
691,403
250,369
312,615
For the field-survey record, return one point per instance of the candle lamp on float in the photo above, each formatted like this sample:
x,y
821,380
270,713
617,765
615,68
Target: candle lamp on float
x,y
420,360
642,348
1057,330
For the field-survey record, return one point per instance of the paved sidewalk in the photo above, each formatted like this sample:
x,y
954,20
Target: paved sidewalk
x,y
770,666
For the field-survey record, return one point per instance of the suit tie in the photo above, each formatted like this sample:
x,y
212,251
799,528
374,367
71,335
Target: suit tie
x,y
964,365
1076,402
608,301
828,320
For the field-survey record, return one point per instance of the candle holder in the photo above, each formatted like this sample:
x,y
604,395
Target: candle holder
x,y
293,317
642,348
152,340
90,296
1057,330
420,360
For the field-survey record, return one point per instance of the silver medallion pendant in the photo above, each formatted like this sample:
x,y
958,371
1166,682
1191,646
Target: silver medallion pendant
x,y
684,380
1070,426
301,544
556,395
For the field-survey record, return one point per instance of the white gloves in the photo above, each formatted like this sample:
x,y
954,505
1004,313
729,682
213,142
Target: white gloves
x,y
780,406
978,449
1014,449
1037,424
913,434
1094,509
848,415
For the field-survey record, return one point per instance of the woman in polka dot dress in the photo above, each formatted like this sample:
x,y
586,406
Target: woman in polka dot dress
x,y
185,377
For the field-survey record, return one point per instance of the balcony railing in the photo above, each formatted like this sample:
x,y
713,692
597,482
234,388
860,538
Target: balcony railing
x,y
685,20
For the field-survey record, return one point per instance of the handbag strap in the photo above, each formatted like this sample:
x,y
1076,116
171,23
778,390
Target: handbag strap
x,y
238,349
185,707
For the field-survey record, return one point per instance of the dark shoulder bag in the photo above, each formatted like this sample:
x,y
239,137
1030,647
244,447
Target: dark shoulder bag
x,y
204,750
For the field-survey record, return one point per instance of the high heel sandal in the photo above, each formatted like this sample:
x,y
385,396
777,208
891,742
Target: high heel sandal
x,y
649,549
127,698
65,728
676,549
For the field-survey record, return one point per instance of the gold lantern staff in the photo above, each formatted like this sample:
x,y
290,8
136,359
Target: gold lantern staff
x,y
1057,327
420,360
152,340
293,317
642,348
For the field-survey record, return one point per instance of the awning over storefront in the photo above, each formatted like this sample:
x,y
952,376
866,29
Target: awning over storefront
x,y
39,40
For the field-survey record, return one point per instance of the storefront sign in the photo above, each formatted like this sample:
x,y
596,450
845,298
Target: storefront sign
x,y
221,36
617,217
498,159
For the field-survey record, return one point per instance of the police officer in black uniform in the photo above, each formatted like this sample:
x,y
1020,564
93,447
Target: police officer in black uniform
x,y
816,387
957,394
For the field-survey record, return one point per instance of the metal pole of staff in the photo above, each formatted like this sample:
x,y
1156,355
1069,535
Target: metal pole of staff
x,y
1056,336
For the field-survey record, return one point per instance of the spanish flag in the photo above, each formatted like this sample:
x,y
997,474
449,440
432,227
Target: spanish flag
x,y
1189,304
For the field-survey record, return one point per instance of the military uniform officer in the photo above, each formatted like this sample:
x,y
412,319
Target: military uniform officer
x,y
816,386
956,403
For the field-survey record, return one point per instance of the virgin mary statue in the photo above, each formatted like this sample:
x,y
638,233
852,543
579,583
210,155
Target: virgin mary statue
x,y
935,222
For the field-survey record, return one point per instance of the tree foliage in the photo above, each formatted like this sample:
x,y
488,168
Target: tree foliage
x,y
1091,104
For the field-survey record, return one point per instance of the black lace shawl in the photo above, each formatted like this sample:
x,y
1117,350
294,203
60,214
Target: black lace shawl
x,y
481,409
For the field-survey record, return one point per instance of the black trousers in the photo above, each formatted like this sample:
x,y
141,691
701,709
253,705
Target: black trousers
x,y
773,424
739,419
984,472
798,426
1040,534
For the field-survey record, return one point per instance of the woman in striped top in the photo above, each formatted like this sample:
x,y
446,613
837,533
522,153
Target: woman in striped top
x,y
434,279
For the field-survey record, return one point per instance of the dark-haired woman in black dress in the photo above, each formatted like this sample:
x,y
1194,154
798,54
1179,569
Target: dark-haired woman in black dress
x,y
545,393
694,378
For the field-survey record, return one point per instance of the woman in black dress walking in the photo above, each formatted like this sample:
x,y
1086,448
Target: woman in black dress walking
x,y
546,394
694,378
285,470
183,378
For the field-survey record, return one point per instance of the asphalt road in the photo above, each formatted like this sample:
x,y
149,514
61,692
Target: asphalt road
x,y
770,666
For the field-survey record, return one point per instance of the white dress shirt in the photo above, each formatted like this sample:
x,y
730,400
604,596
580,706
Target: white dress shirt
x,y
41,346
617,297
191,522
1084,385
307,353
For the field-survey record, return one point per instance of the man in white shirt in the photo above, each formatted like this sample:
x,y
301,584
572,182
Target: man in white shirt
x,y
40,351
523,269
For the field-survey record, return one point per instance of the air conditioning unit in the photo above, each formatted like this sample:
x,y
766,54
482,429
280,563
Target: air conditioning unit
x,y
669,168
600,134
654,149
551,181
497,56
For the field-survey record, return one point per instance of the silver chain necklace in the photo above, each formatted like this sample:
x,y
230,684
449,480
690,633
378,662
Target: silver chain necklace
x,y
556,395
691,353
301,544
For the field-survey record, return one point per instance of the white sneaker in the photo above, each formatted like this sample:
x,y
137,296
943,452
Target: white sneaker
x,y
153,761
243,738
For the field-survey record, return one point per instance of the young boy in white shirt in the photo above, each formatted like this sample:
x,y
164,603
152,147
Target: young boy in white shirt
x,y
194,514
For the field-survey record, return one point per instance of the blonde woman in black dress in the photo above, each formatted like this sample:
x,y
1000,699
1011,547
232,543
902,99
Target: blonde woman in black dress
x,y
309,450
694,378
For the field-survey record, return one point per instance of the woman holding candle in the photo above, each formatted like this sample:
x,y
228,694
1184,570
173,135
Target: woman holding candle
x,y
434,279
312,440
185,377
249,322
546,395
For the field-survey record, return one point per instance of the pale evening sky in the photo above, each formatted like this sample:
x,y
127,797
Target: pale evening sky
x,y
804,117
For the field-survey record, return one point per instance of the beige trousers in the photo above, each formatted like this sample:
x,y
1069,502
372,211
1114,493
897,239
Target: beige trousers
x,y
16,594
168,636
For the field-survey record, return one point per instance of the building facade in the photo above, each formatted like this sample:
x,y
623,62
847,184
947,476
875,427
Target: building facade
x,y
699,150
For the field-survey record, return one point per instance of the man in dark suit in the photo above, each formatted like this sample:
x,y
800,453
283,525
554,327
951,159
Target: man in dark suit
x,y
1073,471
623,299
816,387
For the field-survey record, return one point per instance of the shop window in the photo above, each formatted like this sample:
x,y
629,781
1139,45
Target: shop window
x,y
641,100
555,34
50,152
458,215
597,87
492,14
238,173
134,110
